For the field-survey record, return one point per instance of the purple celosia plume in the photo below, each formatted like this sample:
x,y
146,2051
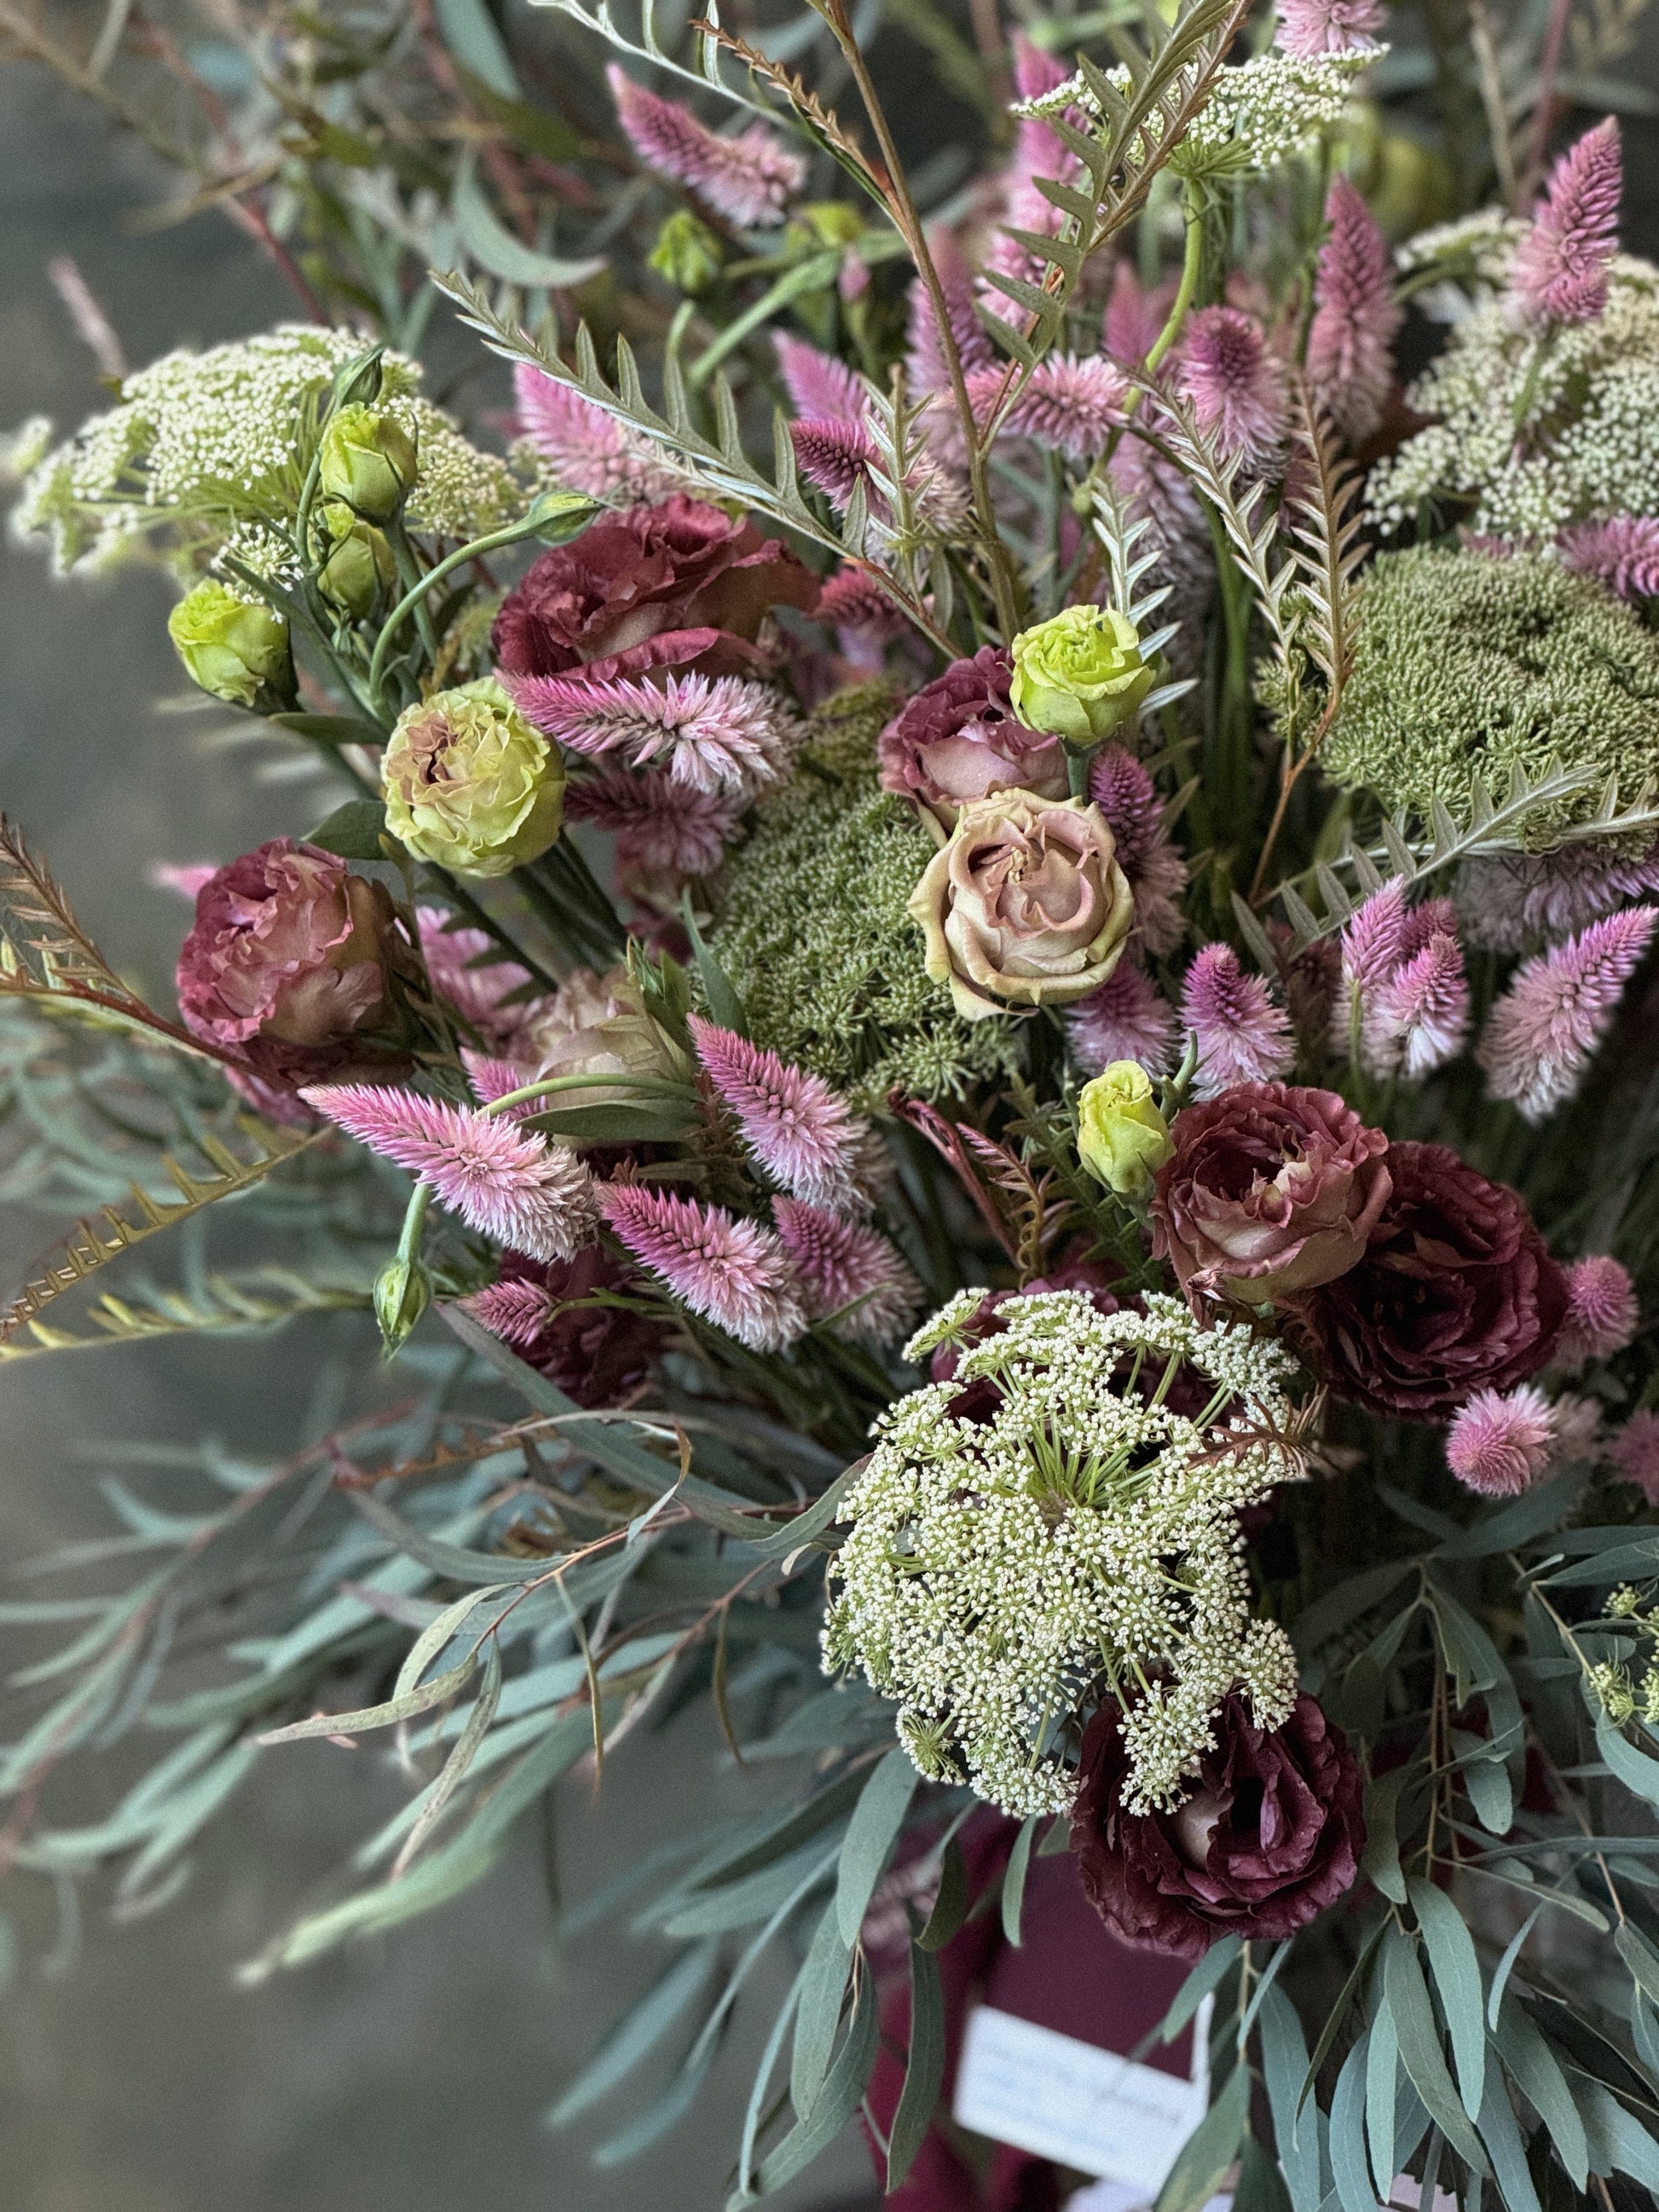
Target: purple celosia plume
x,y
711,733
591,451
842,1264
1623,554
820,387
511,1184
1513,902
1540,1034
1125,794
732,1272
1355,318
1237,386
1417,1019
834,456
1242,1036
1071,406
925,365
1125,1019
516,1312
750,178
1309,28
1560,274
1602,1315
661,827
1499,1443
803,1134
1634,1453
1038,151
1134,316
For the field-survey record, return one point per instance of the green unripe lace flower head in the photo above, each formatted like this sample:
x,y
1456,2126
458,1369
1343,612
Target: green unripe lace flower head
x,y
359,567
687,253
1122,1139
236,648
468,783
1080,675
368,460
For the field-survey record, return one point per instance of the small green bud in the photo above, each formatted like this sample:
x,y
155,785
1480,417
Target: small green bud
x,y
687,253
829,222
1122,1138
368,460
359,567
402,1291
1080,675
237,649
358,384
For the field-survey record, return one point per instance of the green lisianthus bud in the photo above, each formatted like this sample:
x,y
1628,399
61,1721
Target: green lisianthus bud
x,y
238,649
829,222
687,253
360,566
470,785
1122,1137
402,1291
1080,675
368,460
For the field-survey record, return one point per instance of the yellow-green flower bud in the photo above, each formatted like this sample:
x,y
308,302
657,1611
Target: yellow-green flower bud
x,y
470,785
236,648
360,566
1080,675
829,222
402,1291
368,460
687,253
1122,1137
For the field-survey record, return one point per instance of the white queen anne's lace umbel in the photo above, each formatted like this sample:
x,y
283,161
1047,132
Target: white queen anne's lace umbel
x,y
997,1571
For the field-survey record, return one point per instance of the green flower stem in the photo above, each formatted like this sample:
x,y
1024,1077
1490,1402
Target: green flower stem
x,y
1192,266
1540,354
409,575
525,527
1077,764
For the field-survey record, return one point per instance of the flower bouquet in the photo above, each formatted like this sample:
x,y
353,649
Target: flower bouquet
x,y
965,993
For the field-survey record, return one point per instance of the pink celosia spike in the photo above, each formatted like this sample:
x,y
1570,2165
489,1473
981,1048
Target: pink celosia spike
x,y
1560,274
1308,27
1499,1445
1125,794
466,969
802,1132
749,180
662,828
1242,1036
714,733
1634,1453
1623,553
834,456
509,1184
494,1078
1540,1034
1419,1018
820,387
925,366
1373,946
1602,1315
1125,1019
1069,404
516,1312
591,451
1356,317
846,1263
734,1274
851,600
1237,386
1575,1431
1433,918
1133,316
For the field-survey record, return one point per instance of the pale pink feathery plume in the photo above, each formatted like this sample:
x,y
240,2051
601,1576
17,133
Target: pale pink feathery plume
x,y
1540,1034
842,1264
467,970
712,732
1309,28
1602,1315
925,366
1125,794
1126,1018
802,1131
820,387
590,451
1559,273
516,1312
734,1274
1499,1445
1038,151
1237,386
1134,316
1070,405
187,878
1633,1452
661,827
509,1184
1513,903
851,600
492,1078
1623,554
1155,489
750,178
1373,947
834,456
1356,317
1417,1019
1242,1036
1575,1429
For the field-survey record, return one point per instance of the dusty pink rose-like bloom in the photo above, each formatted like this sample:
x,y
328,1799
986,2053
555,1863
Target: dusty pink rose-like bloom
x,y
957,740
1273,1187
287,962
1026,905
678,586
1270,1836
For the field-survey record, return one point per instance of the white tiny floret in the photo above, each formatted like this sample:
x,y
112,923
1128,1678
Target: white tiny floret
x,y
997,1572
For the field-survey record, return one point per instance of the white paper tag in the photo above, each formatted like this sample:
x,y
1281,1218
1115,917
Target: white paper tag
x,y
1092,2110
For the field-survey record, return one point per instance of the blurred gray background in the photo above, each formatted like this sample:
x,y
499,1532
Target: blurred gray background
x,y
409,2073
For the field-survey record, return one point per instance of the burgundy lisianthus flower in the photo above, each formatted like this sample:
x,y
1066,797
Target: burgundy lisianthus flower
x,y
957,739
289,964
595,1353
1270,1836
678,586
1272,1188
1456,1293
